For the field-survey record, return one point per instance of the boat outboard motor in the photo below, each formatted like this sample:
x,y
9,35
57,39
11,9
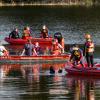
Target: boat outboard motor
x,y
58,36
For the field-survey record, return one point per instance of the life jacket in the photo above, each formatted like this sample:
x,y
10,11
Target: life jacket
x,y
55,45
77,53
44,33
89,47
26,33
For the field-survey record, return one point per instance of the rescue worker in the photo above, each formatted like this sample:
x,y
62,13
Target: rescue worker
x,y
60,38
56,49
38,48
29,49
44,32
26,33
89,52
14,34
3,51
76,55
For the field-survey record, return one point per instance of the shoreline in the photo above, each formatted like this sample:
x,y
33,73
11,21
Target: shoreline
x,y
45,4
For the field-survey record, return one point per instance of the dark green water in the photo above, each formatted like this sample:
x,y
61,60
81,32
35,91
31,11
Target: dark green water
x,y
21,82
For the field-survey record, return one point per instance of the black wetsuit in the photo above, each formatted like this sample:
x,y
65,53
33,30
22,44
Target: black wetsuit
x,y
14,35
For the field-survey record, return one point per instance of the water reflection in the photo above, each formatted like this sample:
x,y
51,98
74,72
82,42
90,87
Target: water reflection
x,y
35,81
31,72
20,70
83,88
28,81
90,93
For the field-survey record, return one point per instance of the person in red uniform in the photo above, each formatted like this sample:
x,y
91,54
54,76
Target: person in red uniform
x,y
26,33
57,49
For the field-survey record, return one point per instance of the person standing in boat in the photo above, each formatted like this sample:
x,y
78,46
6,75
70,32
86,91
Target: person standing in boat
x,y
26,33
29,49
3,50
44,32
76,55
89,51
56,49
60,38
14,34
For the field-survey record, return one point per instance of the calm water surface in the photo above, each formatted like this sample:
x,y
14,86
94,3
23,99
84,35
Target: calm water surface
x,y
34,81
72,22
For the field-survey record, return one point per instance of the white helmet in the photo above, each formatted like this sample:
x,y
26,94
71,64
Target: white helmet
x,y
44,27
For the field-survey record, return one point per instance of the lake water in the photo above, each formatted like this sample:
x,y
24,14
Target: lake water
x,y
72,22
34,81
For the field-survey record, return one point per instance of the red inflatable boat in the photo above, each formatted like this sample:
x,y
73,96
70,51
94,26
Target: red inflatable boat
x,y
84,71
41,41
63,57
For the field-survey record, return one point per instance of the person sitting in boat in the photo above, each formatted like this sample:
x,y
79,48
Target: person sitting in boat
x,y
29,49
14,34
60,38
76,55
44,32
26,33
56,49
38,48
89,52
3,51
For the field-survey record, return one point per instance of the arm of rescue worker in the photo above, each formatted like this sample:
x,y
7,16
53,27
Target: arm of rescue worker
x,y
23,52
61,48
10,35
62,43
5,51
35,51
81,51
71,57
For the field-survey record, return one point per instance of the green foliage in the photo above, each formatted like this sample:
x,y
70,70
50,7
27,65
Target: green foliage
x,y
69,2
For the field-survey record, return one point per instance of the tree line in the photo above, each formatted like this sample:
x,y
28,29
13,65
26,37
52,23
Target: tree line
x,y
79,2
